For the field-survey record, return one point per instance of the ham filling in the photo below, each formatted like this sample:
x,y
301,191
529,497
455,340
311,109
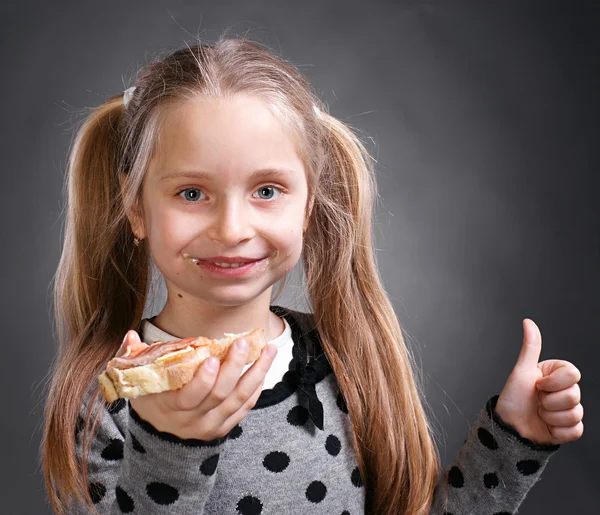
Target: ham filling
x,y
138,355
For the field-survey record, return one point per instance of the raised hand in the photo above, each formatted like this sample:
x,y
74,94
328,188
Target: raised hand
x,y
541,400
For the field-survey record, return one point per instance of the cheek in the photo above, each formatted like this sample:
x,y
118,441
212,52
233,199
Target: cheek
x,y
170,229
166,237
293,246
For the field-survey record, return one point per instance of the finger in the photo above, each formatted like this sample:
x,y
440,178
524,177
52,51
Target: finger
x,y
567,434
229,374
131,342
565,399
563,375
239,415
562,418
192,394
248,383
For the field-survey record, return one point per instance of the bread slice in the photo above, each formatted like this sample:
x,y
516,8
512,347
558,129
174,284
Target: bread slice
x,y
173,370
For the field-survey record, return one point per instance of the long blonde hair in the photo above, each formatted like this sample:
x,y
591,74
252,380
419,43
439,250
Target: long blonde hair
x,y
102,280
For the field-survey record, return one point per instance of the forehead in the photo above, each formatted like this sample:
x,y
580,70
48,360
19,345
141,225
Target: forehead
x,y
223,137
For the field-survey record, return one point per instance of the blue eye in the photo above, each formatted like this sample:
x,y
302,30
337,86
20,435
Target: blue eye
x,y
190,198
263,188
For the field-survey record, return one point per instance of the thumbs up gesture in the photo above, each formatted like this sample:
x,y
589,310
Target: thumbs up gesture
x,y
541,400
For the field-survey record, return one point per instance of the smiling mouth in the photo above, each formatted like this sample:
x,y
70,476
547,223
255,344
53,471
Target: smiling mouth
x,y
222,265
196,261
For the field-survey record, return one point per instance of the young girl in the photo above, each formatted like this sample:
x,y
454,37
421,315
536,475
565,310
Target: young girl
x,y
221,154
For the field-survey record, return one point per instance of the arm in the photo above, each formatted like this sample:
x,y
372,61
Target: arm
x,y
133,468
493,471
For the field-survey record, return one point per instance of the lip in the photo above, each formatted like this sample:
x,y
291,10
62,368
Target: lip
x,y
223,259
231,272
237,259
257,265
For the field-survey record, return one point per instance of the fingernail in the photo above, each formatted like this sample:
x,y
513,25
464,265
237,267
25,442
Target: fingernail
x,y
212,364
271,351
242,345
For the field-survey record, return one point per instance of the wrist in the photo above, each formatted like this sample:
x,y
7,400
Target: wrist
x,y
510,421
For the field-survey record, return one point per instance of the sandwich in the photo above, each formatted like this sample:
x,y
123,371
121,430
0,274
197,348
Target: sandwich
x,y
140,369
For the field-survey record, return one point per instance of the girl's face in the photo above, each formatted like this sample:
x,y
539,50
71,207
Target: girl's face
x,y
226,181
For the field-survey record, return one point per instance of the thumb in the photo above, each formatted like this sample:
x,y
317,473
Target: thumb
x,y
133,336
132,344
532,346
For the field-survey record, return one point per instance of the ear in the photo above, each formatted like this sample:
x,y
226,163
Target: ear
x,y
133,214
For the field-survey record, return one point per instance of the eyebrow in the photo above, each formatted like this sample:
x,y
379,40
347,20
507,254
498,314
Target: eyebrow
x,y
256,174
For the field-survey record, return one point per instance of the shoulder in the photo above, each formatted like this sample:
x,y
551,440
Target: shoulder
x,y
109,423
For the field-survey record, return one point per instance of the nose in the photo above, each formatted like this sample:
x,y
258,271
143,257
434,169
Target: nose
x,y
232,223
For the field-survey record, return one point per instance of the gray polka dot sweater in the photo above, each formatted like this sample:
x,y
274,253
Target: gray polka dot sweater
x,y
291,454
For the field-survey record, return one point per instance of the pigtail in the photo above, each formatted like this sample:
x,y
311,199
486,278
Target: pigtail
x,y
361,334
99,294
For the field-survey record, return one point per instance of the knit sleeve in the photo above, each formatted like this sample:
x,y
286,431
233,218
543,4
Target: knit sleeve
x,y
134,468
493,471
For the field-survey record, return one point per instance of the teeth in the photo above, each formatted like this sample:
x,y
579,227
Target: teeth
x,y
229,265
223,265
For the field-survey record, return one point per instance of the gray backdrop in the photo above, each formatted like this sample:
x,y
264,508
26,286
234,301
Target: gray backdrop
x,y
483,118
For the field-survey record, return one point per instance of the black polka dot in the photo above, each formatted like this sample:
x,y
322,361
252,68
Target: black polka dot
x,y
297,416
276,461
490,480
341,403
528,467
455,478
333,445
345,512
116,406
162,493
209,465
97,492
136,444
124,501
486,438
236,432
448,513
316,491
249,506
503,513
114,450
357,479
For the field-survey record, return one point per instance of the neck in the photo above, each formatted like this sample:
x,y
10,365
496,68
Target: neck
x,y
198,318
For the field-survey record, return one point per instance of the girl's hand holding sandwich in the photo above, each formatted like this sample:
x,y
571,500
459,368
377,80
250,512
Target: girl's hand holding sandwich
x,y
214,401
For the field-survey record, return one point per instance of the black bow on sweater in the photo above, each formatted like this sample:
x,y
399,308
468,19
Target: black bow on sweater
x,y
303,376
306,378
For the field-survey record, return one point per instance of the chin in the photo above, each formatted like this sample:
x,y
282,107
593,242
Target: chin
x,y
232,300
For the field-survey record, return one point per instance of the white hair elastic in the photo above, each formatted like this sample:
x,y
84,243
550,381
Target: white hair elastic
x,y
127,94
